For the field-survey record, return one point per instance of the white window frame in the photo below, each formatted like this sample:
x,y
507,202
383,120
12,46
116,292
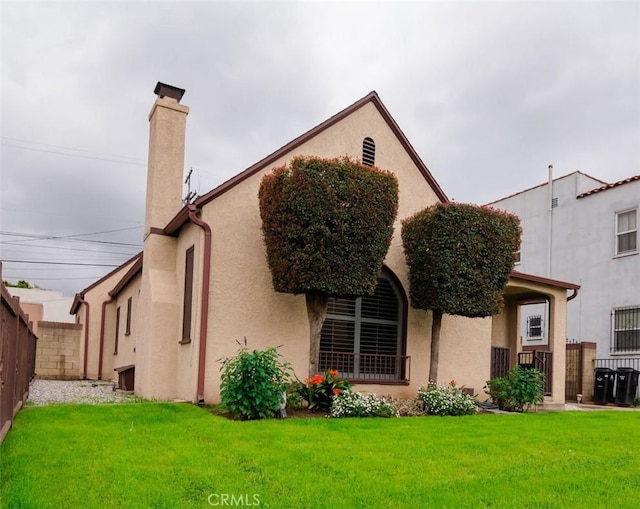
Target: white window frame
x,y
626,232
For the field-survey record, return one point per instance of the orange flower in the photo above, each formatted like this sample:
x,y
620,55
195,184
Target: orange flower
x,y
318,379
334,372
336,391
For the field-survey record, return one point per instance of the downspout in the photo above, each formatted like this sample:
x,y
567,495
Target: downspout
x,y
86,333
573,295
204,305
101,351
550,221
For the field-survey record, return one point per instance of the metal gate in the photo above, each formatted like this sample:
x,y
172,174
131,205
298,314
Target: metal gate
x,y
540,360
573,373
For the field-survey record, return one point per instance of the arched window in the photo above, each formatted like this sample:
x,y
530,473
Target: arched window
x,y
364,337
368,152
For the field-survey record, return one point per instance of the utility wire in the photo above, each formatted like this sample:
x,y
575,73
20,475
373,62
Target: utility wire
x,y
111,160
73,149
30,237
59,263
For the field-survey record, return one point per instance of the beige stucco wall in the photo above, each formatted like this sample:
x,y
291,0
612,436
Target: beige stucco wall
x,y
243,300
505,330
127,343
58,350
95,296
34,312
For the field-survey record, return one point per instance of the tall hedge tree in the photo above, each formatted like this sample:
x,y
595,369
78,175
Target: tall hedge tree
x,y
459,259
327,226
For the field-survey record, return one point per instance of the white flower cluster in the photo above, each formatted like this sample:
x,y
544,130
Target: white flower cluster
x,y
448,400
355,404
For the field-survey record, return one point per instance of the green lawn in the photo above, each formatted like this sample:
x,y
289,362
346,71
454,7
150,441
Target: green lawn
x,y
178,455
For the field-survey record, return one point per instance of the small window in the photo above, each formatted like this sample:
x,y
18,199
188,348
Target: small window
x,y
534,326
626,329
516,256
627,232
127,330
115,347
188,296
368,152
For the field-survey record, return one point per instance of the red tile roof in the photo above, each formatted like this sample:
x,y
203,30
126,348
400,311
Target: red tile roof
x,y
609,186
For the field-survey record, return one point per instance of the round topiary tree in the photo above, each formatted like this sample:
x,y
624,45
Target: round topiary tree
x,y
459,259
327,227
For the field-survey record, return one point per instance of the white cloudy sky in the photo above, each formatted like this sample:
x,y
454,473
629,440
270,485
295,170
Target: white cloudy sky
x,y
489,94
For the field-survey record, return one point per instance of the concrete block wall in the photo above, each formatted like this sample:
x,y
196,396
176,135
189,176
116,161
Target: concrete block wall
x,y
58,350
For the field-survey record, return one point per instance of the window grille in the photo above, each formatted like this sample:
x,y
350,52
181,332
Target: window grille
x,y
365,334
626,329
534,326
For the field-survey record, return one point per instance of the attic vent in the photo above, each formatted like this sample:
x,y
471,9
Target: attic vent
x,y
368,152
554,203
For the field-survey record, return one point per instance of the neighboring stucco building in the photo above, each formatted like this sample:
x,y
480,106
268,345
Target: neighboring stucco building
x,y
202,283
584,230
55,306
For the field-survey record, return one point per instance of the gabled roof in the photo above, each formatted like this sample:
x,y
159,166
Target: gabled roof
x,y
609,186
546,183
372,97
543,280
76,300
135,269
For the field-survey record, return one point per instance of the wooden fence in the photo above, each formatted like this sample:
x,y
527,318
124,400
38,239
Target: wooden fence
x,y
17,359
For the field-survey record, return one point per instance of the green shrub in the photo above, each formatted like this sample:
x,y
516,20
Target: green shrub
x,y
253,383
355,404
521,388
327,225
446,400
320,390
460,257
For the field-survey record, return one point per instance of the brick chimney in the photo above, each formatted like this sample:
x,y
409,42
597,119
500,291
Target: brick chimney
x,y
166,157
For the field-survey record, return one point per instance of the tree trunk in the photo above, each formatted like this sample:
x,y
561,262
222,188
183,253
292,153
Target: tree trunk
x,y
435,345
317,312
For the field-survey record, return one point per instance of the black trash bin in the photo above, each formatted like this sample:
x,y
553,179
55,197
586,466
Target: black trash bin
x,y
603,389
626,386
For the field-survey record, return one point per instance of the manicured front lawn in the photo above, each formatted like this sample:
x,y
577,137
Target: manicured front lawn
x,y
178,455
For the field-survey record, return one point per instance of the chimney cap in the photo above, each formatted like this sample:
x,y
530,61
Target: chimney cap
x,y
162,90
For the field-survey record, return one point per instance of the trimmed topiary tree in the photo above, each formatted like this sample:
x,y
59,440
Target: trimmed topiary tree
x,y
459,258
327,227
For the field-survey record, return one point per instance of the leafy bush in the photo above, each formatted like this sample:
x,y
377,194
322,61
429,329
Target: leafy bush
x,y
521,388
446,400
327,225
459,257
319,391
253,383
355,404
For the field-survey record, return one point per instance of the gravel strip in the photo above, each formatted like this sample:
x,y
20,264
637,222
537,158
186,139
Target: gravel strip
x,y
88,392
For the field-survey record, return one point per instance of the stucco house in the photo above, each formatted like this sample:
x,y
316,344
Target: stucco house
x,y
167,316
579,228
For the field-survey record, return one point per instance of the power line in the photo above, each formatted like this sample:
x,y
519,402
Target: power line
x,y
59,263
36,278
71,148
11,245
30,237
81,156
